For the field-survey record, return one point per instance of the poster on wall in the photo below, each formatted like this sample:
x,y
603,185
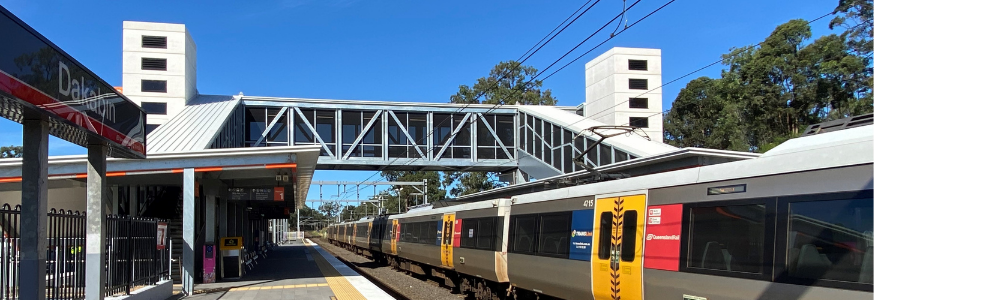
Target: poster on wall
x,y
161,236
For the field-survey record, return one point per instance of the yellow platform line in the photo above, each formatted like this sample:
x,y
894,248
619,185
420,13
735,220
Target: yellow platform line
x,y
277,287
342,290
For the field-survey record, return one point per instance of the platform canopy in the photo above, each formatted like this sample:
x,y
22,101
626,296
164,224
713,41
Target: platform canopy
x,y
40,80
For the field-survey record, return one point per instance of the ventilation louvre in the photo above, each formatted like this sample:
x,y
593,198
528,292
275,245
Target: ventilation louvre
x,y
638,84
156,64
639,65
154,42
638,102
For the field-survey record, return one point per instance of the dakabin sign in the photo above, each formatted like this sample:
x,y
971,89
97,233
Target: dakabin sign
x,y
41,76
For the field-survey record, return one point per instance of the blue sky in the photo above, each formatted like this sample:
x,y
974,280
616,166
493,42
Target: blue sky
x,y
418,51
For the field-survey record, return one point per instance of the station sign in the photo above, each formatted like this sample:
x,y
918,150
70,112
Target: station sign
x,y
38,75
257,193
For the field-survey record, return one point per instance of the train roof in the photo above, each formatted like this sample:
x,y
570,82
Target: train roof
x,y
846,147
446,209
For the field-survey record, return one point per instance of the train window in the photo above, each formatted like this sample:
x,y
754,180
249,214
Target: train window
x,y
554,234
628,235
486,234
604,250
470,230
523,234
831,240
727,238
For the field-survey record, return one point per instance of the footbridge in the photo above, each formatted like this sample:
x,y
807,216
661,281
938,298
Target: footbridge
x,y
537,141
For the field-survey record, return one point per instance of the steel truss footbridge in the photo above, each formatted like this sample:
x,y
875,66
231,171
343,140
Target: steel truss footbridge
x,y
520,141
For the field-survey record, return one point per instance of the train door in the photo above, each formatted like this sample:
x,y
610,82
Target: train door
x,y
393,236
616,261
447,227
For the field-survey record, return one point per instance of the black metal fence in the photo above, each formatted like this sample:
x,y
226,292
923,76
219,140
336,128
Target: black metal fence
x,y
134,258
64,261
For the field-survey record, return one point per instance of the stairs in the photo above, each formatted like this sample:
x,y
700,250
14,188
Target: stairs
x,y
176,230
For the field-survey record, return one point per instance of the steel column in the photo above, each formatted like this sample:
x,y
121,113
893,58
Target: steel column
x,y
34,206
96,218
187,272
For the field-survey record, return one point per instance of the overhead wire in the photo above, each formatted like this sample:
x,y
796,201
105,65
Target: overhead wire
x,y
581,43
521,60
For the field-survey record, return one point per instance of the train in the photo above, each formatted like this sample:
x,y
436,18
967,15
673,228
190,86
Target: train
x,y
794,223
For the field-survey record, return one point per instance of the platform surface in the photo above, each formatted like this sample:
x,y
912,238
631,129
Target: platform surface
x,y
293,271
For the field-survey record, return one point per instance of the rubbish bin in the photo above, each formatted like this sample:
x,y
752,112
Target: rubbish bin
x,y
232,258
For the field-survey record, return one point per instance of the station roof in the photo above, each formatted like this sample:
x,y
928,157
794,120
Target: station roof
x,y
227,164
195,127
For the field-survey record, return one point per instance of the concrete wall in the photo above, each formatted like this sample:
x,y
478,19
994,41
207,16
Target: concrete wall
x,y
607,79
181,66
69,198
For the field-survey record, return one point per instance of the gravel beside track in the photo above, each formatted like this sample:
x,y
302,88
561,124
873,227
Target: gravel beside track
x,y
414,287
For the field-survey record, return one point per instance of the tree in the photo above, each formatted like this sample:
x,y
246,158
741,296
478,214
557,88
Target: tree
x,y
464,183
435,191
509,82
11,151
311,219
330,209
770,93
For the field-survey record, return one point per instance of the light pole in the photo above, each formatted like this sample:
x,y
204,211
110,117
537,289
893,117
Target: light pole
x,y
399,195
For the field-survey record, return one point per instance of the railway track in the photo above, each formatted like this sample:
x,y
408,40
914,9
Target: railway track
x,y
398,284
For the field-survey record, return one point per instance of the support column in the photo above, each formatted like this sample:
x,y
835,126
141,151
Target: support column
x,y
223,217
210,215
97,213
115,205
187,272
133,200
34,206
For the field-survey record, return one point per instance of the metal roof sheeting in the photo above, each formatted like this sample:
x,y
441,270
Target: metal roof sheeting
x,y
632,143
195,127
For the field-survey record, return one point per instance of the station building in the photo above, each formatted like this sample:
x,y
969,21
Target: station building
x,y
214,166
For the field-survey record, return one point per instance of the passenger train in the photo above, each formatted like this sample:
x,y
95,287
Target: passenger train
x,y
794,223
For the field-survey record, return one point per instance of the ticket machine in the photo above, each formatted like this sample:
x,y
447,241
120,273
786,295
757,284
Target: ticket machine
x,y
209,264
232,257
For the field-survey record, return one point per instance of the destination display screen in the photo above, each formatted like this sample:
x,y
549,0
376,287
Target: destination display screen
x,y
44,77
741,188
257,194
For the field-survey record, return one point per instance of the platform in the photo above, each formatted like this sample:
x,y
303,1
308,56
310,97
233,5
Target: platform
x,y
293,271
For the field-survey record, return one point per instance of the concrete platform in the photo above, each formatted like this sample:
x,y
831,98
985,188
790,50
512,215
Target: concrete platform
x,y
293,271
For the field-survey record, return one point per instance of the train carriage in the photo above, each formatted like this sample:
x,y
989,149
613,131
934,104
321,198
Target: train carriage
x,y
794,223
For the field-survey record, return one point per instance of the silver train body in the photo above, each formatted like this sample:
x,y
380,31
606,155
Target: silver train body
x,y
794,223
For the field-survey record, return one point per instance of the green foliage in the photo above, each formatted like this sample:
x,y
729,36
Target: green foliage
x,y
507,84
464,183
311,219
11,151
770,93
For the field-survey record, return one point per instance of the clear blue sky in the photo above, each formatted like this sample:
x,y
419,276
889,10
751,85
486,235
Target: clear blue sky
x,y
417,51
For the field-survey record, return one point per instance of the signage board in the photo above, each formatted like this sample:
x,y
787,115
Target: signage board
x,y
161,236
232,243
663,237
36,74
257,193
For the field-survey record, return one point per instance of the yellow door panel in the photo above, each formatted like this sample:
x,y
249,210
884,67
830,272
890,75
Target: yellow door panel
x,y
394,236
616,262
447,228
